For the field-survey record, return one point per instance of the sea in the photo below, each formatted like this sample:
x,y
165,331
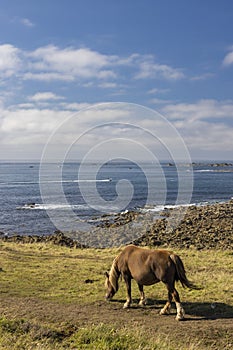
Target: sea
x,y
34,196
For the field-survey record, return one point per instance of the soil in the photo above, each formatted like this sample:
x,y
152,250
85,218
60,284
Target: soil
x,y
212,330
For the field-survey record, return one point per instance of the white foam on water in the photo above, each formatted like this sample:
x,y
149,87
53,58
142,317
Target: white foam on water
x,y
61,206
205,171
20,183
159,208
40,206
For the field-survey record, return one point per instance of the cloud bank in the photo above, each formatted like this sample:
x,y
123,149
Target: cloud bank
x,y
205,125
51,63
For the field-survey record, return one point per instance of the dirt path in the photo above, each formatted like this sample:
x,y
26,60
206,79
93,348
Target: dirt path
x,y
211,330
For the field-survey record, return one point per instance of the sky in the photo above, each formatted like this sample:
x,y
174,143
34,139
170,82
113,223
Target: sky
x,y
59,60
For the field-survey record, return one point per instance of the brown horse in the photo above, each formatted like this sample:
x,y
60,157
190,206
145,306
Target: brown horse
x,y
147,267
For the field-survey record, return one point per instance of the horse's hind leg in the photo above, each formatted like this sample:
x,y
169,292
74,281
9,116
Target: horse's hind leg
x,y
142,301
173,294
179,308
166,309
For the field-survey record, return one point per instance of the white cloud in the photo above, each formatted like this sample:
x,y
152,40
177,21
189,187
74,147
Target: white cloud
x,y
26,22
228,59
206,126
201,110
83,65
160,101
53,63
21,126
148,68
108,85
156,91
28,120
47,77
67,64
74,106
45,96
203,76
202,137
9,60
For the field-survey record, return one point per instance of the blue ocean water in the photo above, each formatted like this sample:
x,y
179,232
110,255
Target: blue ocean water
x,y
23,210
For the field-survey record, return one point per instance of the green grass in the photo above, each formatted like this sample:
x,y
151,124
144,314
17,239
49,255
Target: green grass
x,y
19,334
47,303
50,272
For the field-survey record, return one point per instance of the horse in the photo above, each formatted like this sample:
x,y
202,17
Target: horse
x,y
147,267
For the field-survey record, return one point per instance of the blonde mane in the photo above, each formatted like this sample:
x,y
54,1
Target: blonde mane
x,y
114,275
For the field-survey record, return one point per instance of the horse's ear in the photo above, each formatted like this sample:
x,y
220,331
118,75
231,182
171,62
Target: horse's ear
x,y
106,274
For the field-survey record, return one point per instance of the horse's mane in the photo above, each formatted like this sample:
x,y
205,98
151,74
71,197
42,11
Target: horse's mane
x,y
114,275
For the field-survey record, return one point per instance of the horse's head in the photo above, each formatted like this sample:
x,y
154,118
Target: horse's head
x,y
110,291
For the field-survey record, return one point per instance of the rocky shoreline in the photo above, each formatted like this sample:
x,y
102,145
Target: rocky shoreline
x,y
199,227
194,164
202,227
58,238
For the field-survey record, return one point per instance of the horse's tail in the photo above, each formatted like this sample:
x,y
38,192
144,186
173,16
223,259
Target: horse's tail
x,y
181,273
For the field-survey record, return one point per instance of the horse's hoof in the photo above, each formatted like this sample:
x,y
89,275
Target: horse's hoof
x,y
179,318
126,306
164,312
142,303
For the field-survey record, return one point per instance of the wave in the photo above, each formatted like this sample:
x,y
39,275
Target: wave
x,y
205,171
21,183
103,180
65,206
161,208
40,206
213,171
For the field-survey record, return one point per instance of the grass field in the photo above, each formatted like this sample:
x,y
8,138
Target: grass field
x,y
52,297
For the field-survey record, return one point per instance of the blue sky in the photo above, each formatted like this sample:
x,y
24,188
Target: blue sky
x,y
175,57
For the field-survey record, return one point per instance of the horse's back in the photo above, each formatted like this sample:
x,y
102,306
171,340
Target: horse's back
x,y
134,251
145,265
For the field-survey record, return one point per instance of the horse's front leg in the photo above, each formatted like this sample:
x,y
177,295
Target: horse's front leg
x,y
127,280
142,301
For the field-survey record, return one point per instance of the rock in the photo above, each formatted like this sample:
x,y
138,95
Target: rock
x,y
203,227
58,238
221,164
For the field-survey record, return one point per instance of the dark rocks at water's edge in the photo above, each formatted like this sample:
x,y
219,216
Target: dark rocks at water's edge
x,y
194,164
112,221
201,227
198,227
58,238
